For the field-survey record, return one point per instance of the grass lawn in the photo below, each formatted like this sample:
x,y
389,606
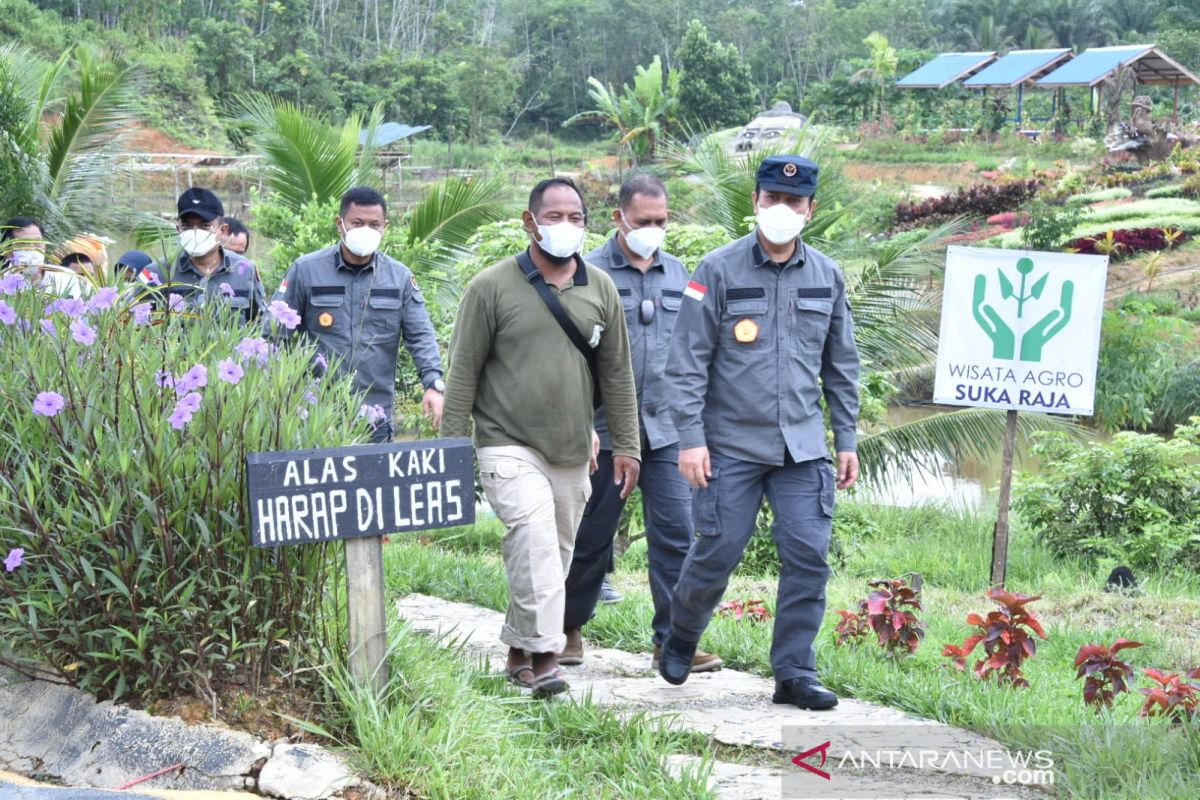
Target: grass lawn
x,y
1110,756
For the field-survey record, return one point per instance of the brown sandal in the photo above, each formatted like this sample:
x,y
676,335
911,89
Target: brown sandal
x,y
549,684
514,677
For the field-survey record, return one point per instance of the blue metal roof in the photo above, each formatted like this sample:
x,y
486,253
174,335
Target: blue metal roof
x,y
390,132
945,69
1016,68
1097,63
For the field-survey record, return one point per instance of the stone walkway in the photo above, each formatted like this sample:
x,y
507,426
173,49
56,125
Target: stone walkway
x,y
734,708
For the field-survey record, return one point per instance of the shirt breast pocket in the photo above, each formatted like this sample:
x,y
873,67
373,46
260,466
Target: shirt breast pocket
x,y
671,304
629,305
810,321
745,323
384,319
328,310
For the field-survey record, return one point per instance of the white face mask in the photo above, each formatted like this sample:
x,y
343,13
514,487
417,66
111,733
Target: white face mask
x,y
27,258
780,224
644,241
362,241
197,242
561,240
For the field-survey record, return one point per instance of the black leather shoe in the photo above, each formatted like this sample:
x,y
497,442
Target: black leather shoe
x,y
675,661
805,693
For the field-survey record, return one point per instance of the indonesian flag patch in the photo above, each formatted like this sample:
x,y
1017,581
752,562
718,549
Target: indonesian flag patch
x,y
696,291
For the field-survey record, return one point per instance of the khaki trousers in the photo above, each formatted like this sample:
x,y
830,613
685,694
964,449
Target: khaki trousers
x,y
540,505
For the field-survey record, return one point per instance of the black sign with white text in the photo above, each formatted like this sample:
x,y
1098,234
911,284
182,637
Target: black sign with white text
x,y
309,496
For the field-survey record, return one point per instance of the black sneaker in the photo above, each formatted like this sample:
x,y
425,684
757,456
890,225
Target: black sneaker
x,y
675,659
805,693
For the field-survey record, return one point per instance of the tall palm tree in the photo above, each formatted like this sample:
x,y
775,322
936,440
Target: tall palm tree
x,y
71,136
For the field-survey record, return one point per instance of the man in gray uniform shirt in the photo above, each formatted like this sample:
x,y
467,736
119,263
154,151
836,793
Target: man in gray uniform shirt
x,y
357,304
763,319
650,283
206,272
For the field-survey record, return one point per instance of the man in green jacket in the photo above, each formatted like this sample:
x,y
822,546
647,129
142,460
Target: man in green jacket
x,y
529,388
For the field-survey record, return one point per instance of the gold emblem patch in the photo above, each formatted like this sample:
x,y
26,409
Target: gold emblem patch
x,y
745,331
789,170
325,320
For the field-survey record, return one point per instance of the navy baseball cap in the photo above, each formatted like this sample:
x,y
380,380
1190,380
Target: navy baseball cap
x,y
788,174
134,261
202,203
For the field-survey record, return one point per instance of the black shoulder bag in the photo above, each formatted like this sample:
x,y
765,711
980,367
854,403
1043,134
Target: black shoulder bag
x,y
562,318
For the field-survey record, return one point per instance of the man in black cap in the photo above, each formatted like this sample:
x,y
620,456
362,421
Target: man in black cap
x,y
764,331
204,271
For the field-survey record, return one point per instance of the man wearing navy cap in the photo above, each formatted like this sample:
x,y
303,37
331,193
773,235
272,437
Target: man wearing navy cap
x,y
205,271
764,331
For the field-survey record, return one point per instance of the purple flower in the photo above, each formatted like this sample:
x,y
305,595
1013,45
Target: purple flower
x,y
284,314
16,557
69,306
141,313
310,398
165,379
194,378
82,332
374,414
174,302
103,299
242,267
321,361
12,283
48,404
226,290
252,347
230,371
179,418
7,315
302,412
190,403
49,329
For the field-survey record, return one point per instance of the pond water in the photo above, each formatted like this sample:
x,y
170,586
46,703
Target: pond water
x,y
970,483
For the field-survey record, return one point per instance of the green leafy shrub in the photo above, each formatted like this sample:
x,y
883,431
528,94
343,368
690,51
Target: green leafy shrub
x,y
1139,354
1049,225
123,480
1133,501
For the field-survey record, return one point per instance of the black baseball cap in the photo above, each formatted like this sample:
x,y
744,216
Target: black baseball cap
x,y
788,174
202,203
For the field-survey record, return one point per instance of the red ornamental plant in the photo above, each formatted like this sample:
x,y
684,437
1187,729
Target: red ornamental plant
x,y
1006,639
1105,676
852,629
1171,697
888,611
753,610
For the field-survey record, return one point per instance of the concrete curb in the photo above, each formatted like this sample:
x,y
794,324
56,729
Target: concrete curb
x,y
63,735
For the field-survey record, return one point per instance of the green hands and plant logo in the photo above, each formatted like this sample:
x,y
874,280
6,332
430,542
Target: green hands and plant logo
x,y
1000,326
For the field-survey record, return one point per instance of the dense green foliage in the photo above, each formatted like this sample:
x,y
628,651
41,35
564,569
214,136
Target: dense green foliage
x,y
1134,501
131,506
481,68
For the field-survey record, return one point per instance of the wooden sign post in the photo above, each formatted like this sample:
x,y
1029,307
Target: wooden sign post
x,y
358,494
1000,532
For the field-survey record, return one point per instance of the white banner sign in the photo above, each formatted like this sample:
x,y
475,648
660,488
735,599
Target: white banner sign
x,y
1020,330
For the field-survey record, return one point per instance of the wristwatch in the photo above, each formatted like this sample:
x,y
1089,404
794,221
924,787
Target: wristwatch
x,y
438,385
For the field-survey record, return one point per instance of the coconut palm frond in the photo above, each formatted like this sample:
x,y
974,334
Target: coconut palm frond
x,y
306,158
366,173
92,117
970,433
455,208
